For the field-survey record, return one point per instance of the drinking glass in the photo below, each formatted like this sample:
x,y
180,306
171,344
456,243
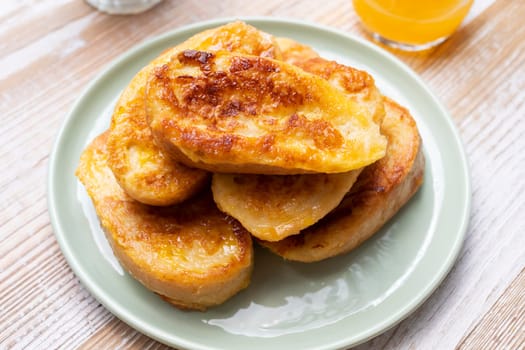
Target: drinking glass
x,y
411,25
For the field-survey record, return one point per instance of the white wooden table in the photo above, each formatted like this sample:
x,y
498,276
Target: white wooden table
x,y
49,51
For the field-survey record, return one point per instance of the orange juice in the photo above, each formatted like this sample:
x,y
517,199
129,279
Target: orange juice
x,y
412,22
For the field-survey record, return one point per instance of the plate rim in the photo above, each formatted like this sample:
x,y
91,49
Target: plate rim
x,y
416,300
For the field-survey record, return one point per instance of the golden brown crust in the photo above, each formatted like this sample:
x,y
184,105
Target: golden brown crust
x,y
357,84
227,112
191,254
380,191
139,165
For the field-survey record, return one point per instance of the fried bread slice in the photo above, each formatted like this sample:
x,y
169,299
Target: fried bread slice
x,y
235,113
380,191
142,168
191,254
273,207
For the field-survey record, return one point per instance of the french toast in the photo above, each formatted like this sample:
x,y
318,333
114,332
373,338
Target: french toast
x,y
191,254
307,157
273,207
234,113
139,165
379,192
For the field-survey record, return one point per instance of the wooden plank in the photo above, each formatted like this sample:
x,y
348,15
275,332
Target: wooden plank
x,y
503,326
116,334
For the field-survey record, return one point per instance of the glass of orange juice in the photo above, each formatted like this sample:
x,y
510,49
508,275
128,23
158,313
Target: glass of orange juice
x,y
411,25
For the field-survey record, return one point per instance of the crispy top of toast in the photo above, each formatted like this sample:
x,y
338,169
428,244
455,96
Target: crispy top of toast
x,y
192,254
227,112
144,171
357,83
380,191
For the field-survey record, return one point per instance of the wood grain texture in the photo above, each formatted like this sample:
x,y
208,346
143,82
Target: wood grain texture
x,y
503,326
50,50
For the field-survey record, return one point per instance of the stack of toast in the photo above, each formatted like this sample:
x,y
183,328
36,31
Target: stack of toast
x,y
236,135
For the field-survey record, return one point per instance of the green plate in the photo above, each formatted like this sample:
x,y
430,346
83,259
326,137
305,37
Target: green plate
x,y
332,304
